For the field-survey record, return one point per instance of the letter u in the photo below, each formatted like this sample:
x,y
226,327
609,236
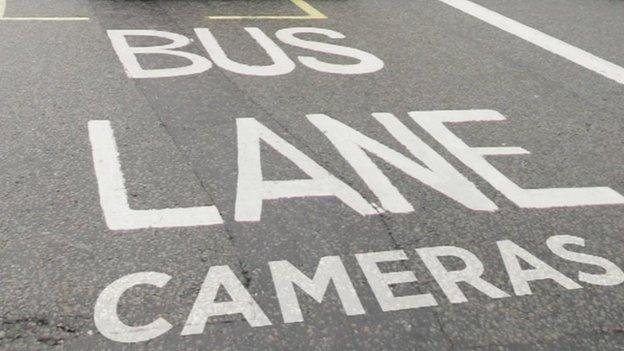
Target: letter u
x,y
281,63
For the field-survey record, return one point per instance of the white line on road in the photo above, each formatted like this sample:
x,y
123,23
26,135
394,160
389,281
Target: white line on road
x,y
114,197
545,41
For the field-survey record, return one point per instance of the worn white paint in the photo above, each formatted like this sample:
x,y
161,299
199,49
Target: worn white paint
x,y
366,62
474,158
281,63
128,54
114,198
543,40
206,306
381,282
330,270
253,190
438,174
105,314
470,274
612,275
511,254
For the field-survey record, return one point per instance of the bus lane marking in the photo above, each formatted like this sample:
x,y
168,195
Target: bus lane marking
x,y
114,196
431,170
543,40
310,13
332,280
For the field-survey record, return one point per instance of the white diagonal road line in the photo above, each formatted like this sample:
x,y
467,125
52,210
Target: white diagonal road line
x,y
543,40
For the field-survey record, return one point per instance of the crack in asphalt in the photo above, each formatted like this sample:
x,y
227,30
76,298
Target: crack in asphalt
x,y
247,278
41,330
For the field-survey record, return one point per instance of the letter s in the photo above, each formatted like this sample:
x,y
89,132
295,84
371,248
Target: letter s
x,y
368,63
613,274
105,312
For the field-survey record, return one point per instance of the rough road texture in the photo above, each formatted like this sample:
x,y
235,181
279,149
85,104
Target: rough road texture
x,y
178,147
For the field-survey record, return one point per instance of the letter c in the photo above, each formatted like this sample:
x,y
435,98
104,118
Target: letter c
x,y
105,311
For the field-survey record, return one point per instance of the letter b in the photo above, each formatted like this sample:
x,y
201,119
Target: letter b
x,y
128,54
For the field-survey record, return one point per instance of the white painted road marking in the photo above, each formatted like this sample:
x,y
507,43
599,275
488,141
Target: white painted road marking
x,y
107,320
252,189
114,198
432,169
331,269
433,123
543,40
281,64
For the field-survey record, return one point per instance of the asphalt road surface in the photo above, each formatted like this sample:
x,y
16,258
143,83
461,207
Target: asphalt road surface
x,y
323,175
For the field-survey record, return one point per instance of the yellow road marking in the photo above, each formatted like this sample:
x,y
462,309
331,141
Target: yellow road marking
x,y
307,8
3,9
44,18
311,13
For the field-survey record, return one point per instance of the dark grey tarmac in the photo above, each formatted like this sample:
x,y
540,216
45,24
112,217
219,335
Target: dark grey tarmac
x,y
178,147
